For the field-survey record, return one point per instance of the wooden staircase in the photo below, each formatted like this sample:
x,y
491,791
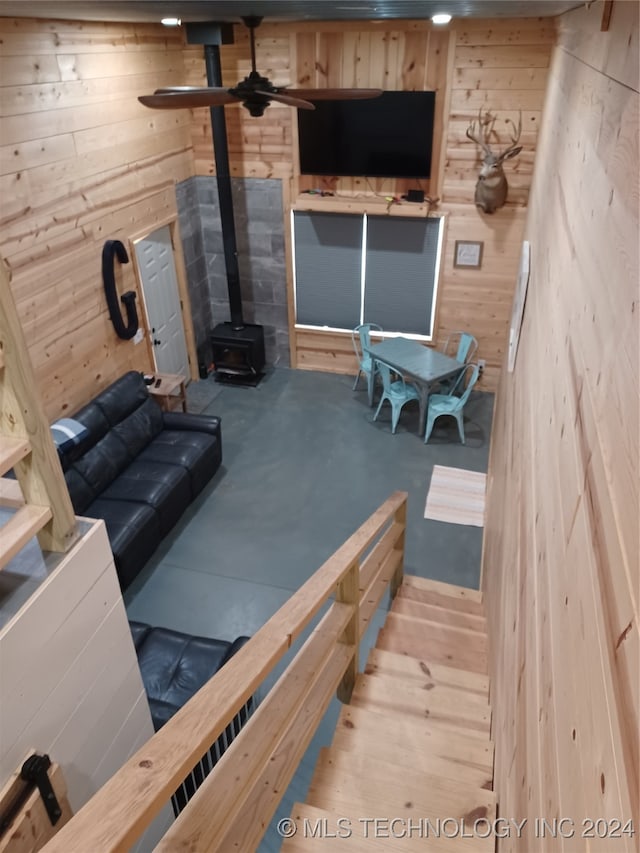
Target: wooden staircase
x,y
411,762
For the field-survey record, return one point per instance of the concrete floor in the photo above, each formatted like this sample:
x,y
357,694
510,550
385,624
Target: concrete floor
x,y
304,465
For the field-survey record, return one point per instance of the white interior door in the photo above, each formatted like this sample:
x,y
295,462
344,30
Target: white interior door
x,y
162,301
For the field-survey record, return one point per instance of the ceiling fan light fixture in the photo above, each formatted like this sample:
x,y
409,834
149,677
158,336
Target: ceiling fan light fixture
x,y
171,22
441,18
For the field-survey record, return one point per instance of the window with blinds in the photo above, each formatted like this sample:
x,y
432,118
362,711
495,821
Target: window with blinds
x,y
351,269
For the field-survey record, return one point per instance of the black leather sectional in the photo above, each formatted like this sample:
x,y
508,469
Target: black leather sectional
x,y
138,468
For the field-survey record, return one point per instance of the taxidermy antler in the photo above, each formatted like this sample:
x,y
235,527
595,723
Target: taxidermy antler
x,y
492,187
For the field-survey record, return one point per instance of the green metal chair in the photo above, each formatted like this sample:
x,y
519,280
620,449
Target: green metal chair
x,y
397,393
361,338
450,404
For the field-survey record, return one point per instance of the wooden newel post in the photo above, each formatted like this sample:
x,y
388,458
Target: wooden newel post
x,y
348,592
400,517
22,417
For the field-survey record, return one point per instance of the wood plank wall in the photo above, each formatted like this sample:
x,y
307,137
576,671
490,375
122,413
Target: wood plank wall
x,y
500,64
560,566
82,162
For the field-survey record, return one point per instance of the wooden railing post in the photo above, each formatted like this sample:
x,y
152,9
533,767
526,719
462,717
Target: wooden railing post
x,y
348,592
22,417
400,517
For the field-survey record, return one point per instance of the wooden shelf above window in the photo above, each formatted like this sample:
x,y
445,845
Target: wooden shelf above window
x,y
373,205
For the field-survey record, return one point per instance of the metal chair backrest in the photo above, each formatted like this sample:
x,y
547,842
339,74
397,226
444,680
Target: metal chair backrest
x,y
467,346
470,380
361,338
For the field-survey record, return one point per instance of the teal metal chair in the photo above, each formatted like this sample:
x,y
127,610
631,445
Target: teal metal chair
x,y
397,393
450,404
462,346
361,338
465,346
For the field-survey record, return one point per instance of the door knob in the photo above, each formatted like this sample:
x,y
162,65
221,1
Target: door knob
x,y
156,342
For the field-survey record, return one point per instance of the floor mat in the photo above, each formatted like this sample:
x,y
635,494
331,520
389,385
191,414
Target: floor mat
x,y
456,496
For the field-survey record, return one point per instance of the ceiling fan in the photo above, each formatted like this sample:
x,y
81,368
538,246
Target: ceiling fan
x,y
255,91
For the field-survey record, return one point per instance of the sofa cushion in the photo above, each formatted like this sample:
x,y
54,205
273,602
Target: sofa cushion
x,y
122,397
134,534
198,453
140,427
80,491
166,488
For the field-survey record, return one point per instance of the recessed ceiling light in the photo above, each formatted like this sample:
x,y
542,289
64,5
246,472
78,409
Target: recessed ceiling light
x,y
441,18
171,22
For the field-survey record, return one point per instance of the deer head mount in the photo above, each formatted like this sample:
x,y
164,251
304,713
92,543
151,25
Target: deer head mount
x,y
492,187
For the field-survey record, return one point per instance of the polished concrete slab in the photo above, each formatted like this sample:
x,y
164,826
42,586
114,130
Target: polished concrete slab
x,y
303,466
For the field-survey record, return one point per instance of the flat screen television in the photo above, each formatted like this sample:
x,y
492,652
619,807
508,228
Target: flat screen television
x,y
385,137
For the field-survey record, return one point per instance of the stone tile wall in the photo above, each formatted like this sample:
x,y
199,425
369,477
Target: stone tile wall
x,y
261,256
189,220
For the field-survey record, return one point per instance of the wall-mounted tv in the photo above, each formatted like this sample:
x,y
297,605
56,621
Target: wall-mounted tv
x,y
385,137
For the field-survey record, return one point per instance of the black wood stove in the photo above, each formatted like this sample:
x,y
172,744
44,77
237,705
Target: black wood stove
x,y
238,353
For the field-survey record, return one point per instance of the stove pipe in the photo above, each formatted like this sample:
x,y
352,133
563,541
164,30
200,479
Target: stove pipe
x,y
225,199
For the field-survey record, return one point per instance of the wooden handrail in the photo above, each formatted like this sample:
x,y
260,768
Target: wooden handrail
x,y
253,773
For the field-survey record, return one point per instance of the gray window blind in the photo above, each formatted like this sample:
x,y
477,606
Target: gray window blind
x,y
328,261
400,273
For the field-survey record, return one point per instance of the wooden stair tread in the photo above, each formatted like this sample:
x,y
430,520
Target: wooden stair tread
x,y
360,740
453,634
443,645
20,528
443,594
430,702
12,450
10,493
411,669
433,613
433,724
456,746
378,788
457,797
450,589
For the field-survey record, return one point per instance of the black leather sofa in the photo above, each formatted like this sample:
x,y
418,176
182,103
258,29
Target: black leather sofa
x,y
138,468
174,666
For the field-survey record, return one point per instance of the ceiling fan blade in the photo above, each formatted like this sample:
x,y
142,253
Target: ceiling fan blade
x,y
187,97
287,98
333,94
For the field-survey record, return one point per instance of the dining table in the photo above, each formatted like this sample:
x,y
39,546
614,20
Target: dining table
x,y
423,366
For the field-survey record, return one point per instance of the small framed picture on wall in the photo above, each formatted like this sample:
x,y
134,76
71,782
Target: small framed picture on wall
x,y
468,253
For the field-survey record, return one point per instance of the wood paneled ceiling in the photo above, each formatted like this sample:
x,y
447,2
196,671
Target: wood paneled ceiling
x,y
281,10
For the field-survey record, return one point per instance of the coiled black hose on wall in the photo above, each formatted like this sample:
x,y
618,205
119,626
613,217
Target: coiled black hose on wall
x,y
112,249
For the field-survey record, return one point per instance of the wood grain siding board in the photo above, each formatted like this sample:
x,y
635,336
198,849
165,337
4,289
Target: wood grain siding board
x,y
523,31
503,56
82,162
20,100
560,564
